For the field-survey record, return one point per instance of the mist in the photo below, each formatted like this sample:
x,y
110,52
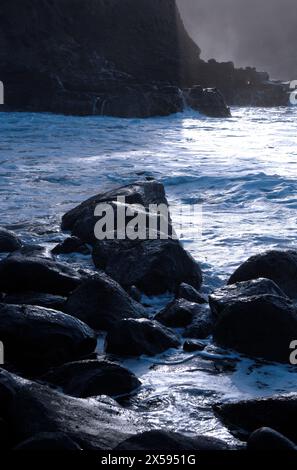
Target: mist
x,y
260,33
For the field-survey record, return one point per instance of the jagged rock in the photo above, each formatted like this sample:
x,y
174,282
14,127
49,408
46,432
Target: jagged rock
x,y
71,245
279,266
266,439
49,441
192,346
209,101
91,378
228,295
55,302
32,408
136,337
178,313
202,325
244,417
101,302
187,292
26,273
36,338
262,326
9,241
166,441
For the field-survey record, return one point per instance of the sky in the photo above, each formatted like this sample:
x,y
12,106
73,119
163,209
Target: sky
x,y
261,33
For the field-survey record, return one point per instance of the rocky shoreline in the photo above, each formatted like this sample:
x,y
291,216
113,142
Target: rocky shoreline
x,y
58,392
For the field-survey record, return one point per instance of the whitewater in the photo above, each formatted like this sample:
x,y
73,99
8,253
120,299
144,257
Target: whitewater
x,y
241,171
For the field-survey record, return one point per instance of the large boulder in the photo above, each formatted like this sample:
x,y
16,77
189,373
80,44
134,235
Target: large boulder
x,y
262,326
277,412
101,302
36,338
228,295
136,337
31,408
25,273
279,266
178,313
54,302
154,266
208,101
168,441
267,439
93,377
9,241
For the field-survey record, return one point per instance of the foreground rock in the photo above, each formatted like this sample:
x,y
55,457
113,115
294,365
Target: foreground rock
x,y
262,326
246,416
266,439
25,273
178,313
279,266
93,424
36,338
136,337
54,302
9,241
209,101
91,378
168,441
101,303
53,441
228,295
193,345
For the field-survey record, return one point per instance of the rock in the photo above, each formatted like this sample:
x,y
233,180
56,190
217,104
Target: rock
x,y
71,245
209,101
91,378
135,293
227,295
178,313
36,251
278,412
266,439
262,326
9,241
36,338
20,273
279,266
81,220
192,346
187,292
136,337
153,266
53,441
101,302
166,441
54,302
94,424
202,325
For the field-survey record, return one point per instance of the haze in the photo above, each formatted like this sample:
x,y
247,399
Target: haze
x,y
260,33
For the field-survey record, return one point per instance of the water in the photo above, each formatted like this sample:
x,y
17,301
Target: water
x,y
242,171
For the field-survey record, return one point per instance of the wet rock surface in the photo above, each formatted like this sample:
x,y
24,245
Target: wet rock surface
x,y
9,241
178,313
55,302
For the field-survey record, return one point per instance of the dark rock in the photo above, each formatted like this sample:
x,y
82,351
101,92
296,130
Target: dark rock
x,y
178,313
53,441
20,273
277,412
192,346
55,302
71,245
166,441
95,377
279,266
36,338
36,251
101,302
266,439
202,325
228,295
209,101
135,293
154,266
262,326
94,424
187,292
136,337
9,241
